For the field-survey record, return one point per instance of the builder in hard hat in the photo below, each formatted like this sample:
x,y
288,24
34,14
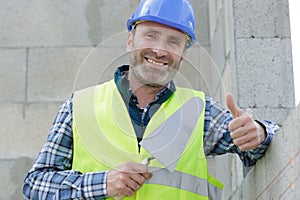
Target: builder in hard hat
x,y
106,140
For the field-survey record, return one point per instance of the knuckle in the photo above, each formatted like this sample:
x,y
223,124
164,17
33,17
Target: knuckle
x,y
126,164
120,186
130,193
136,187
257,142
141,180
252,135
247,118
242,148
123,177
230,126
253,127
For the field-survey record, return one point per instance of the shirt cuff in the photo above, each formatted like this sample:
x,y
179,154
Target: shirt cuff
x,y
94,185
270,129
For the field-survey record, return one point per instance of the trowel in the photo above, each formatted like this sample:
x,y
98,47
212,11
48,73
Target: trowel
x,y
168,141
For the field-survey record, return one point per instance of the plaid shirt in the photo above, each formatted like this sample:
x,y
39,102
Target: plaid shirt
x,y
51,176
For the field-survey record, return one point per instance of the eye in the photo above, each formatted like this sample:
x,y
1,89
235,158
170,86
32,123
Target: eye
x,y
174,42
150,36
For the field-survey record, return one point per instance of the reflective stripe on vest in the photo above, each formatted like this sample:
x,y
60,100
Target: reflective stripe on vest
x,y
180,180
183,181
104,138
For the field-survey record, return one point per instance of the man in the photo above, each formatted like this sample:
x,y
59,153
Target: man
x,y
98,146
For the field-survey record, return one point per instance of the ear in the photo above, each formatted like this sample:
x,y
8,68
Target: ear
x,y
129,42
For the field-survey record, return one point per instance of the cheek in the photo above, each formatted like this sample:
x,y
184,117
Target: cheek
x,y
176,57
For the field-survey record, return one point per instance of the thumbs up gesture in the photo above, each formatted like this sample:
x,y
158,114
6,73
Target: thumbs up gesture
x,y
246,133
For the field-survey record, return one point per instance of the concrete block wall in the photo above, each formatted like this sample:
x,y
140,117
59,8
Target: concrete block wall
x,y
263,57
250,40
48,49
227,168
250,45
276,176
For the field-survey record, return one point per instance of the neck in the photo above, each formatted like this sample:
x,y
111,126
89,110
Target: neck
x,y
144,93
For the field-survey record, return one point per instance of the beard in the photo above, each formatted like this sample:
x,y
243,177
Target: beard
x,y
150,75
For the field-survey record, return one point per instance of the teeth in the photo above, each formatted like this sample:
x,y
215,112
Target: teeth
x,y
156,63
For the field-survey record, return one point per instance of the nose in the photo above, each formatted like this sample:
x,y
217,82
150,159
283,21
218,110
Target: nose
x,y
160,52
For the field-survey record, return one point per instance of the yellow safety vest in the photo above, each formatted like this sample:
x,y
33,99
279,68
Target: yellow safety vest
x,y
104,138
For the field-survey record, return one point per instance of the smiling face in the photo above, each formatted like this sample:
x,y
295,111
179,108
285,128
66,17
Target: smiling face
x,y
156,52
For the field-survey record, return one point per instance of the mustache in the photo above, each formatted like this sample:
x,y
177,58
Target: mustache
x,y
151,54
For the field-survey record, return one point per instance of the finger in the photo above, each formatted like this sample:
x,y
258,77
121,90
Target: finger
x,y
128,191
237,133
249,145
121,189
244,139
147,175
243,121
138,178
133,184
116,183
241,126
142,170
235,110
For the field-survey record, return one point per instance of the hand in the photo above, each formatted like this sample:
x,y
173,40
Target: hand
x,y
246,133
126,179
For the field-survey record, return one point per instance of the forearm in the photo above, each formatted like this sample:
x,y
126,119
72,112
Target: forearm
x,y
48,184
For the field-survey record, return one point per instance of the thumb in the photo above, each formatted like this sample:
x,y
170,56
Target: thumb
x,y
235,110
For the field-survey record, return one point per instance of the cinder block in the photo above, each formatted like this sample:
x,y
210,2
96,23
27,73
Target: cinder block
x,y
13,73
25,128
216,9
112,19
277,115
227,169
217,52
7,187
226,172
284,155
221,83
256,18
265,73
195,71
99,65
61,23
52,71
229,30
202,21
12,173
276,176
55,73
255,182
252,185
43,23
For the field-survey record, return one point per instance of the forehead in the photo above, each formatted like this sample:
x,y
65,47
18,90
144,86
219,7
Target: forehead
x,y
149,25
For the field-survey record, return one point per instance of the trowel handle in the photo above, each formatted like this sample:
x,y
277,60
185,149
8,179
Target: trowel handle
x,y
146,161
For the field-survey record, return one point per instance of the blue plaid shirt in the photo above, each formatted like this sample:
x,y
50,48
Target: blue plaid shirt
x,y
51,176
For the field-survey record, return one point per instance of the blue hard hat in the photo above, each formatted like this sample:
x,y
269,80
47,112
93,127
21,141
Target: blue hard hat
x,y
174,13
